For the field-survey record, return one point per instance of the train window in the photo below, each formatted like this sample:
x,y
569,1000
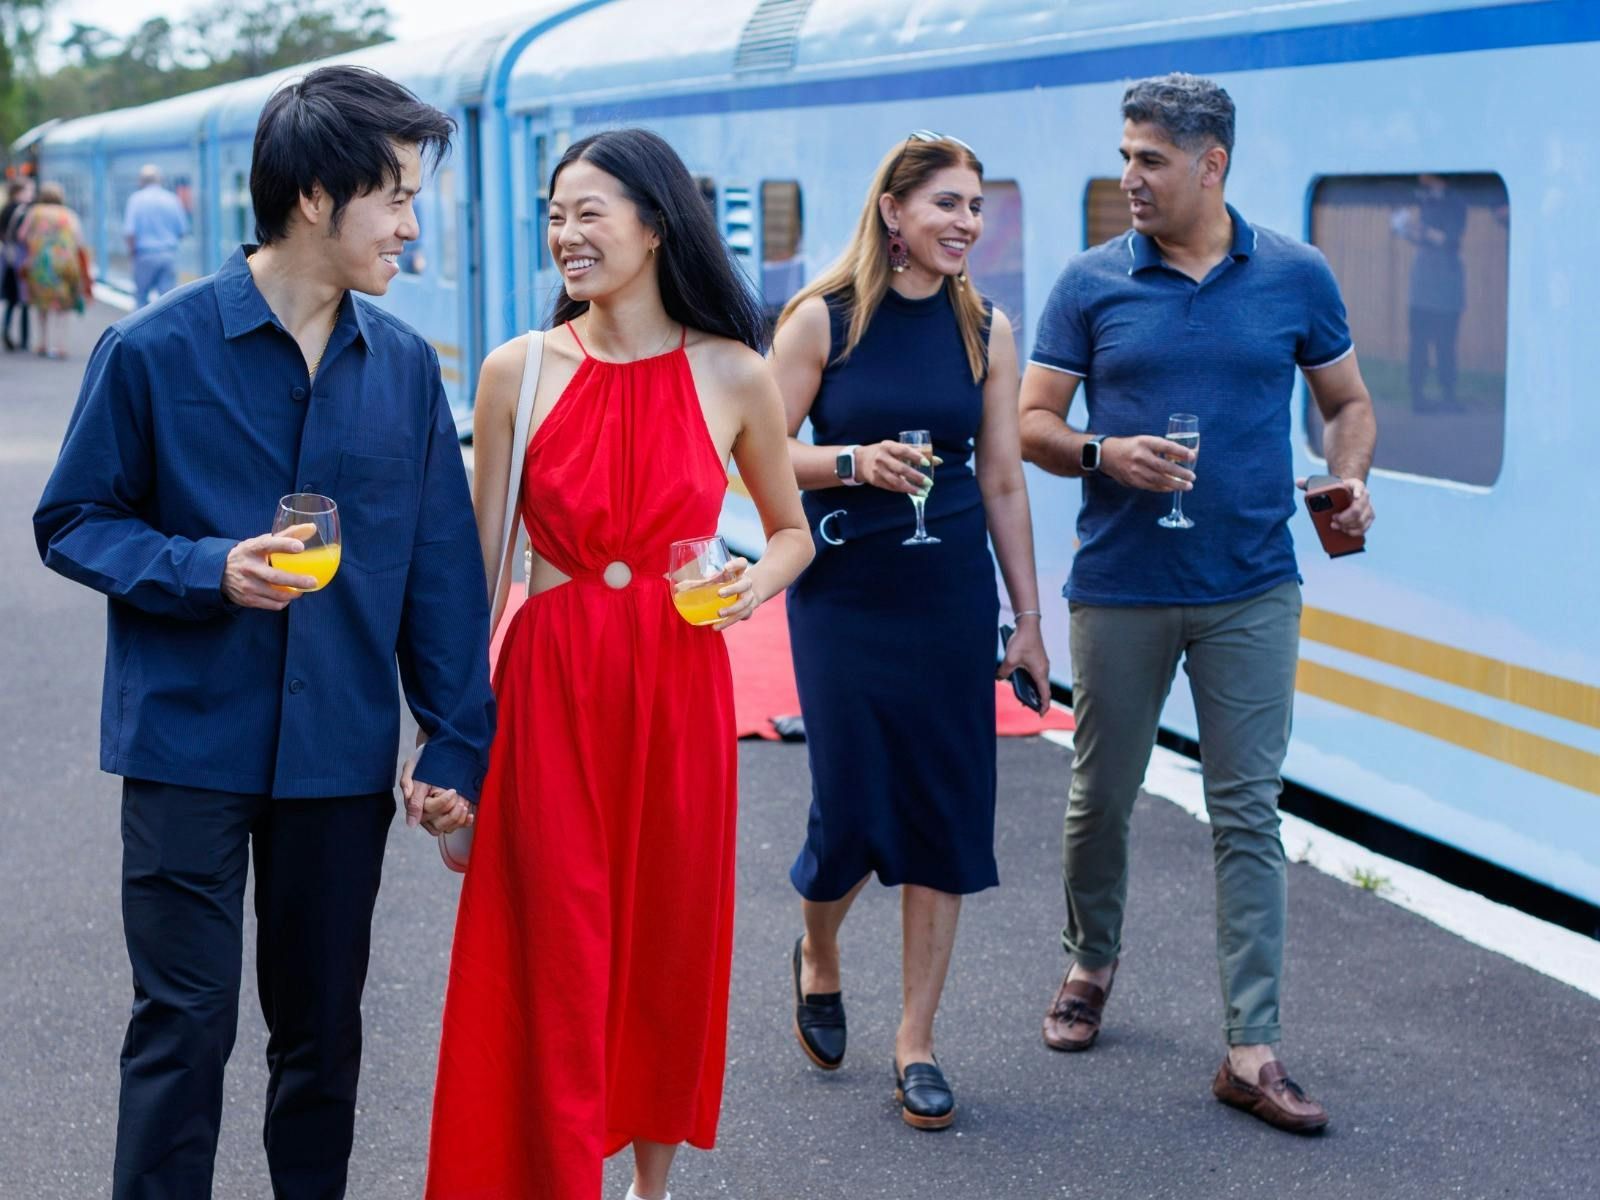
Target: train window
x,y
1423,262
782,267
996,258
242,215
448,251
738,223
1105,211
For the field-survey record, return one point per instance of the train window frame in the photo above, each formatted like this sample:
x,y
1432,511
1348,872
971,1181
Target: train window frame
x,y
444,192
1003,277
1455,434
1093,227
782,274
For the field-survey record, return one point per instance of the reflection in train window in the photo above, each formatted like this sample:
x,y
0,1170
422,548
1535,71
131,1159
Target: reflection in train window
x,y
1105,211
446,248
1422,261
783,268
995,260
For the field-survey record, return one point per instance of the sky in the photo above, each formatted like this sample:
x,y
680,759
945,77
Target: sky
x,y
410,18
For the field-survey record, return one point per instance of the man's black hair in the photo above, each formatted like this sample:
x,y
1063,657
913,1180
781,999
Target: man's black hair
x,y
337,127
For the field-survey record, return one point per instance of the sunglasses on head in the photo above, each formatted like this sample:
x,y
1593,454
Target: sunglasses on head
x,y
928,135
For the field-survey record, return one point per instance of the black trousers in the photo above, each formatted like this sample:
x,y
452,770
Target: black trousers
x,y
1435,332
184,858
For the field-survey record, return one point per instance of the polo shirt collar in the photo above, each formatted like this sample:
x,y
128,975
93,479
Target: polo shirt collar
x,y
1143,253
244,309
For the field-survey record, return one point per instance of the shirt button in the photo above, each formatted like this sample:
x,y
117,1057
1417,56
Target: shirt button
x,y
296,686
299,393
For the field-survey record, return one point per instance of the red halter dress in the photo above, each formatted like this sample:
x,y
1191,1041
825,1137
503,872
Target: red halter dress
x,y
588,994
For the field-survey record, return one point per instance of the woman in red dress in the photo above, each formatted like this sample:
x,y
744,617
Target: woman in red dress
x,y
588,993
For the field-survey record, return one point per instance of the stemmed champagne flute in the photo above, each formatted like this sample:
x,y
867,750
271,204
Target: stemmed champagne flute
x,y
313,520
923,441
1183,428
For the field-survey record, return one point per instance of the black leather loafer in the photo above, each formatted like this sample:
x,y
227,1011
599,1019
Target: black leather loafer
x,y
926,1101
818,1021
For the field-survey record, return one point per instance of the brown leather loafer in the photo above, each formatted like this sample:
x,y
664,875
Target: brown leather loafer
x,y
1275,1098
1073,1022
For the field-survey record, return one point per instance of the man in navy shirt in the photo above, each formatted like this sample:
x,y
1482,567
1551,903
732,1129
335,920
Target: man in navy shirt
x,y
244,714
1192,311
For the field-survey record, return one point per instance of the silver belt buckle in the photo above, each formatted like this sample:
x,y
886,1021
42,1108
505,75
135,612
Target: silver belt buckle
x,y
822,527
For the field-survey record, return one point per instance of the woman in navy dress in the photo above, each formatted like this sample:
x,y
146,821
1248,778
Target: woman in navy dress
x,y
894,644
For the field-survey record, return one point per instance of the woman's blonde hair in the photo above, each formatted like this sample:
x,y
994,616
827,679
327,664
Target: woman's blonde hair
x,y
860,276
51,192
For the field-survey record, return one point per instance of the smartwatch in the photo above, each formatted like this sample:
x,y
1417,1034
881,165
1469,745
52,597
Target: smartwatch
x,y
844,466
1089,456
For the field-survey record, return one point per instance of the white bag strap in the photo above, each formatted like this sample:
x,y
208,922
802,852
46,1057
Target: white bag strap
x,y
519,447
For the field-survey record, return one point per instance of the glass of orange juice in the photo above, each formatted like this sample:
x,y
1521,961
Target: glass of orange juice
x,y
314,520
697,568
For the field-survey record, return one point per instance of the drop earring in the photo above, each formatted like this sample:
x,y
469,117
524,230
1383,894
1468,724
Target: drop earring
x,y
899,252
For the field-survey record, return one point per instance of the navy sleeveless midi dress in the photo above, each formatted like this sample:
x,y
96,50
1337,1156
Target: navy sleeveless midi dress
x,y
895,646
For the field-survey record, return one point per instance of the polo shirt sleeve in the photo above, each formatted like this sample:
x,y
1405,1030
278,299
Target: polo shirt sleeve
x,y
88,525
1062,342
1327,334
444,631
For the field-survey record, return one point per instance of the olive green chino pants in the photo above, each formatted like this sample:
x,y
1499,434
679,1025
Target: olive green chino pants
x,y
1240,657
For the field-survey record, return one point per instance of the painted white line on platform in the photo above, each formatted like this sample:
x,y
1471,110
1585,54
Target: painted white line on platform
x,y
1549,949
112,298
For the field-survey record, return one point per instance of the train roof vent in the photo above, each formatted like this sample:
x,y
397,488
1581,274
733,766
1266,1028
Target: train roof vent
x,y
770,36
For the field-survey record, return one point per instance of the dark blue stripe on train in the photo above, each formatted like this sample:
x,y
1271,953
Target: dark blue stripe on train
x,y
1542,23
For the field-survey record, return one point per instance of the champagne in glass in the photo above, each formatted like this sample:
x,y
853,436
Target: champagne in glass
x,y
697,568
1184,429
314,520
923,441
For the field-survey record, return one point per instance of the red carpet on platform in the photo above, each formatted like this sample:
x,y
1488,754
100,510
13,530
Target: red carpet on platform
x,y
763,677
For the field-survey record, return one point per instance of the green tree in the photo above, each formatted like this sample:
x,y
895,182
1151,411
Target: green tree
x,y
21,23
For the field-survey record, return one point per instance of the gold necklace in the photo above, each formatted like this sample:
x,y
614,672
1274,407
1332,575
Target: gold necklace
x,y
332,325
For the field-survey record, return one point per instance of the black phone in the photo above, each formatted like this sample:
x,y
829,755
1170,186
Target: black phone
x,y
1023,686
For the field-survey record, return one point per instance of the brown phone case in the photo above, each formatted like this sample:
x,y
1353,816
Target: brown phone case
x,y
1325,496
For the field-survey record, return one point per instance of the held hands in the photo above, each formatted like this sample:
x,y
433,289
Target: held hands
x,y
1026,650
251,581
1144,462
438,810
893,466
1356,519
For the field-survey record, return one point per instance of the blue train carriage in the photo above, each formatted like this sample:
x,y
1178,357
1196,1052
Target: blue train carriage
x,y
1451,678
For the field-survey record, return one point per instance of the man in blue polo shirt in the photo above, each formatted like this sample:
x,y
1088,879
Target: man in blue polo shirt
x,y
153,224
1192,311
246,715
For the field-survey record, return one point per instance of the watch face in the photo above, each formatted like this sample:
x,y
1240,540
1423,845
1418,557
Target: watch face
x,y
1090,455
845,465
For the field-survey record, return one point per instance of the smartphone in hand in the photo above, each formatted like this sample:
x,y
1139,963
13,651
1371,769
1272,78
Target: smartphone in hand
x,y
1023,686
1327,495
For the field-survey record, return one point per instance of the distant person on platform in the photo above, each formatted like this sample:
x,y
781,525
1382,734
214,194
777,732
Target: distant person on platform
x,y
154,223
19,194
1192,311
244,714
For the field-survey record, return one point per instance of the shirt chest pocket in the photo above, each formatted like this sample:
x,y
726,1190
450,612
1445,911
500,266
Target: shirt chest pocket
x,y
377,500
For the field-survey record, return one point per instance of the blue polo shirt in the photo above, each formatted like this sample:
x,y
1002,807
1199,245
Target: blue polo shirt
x,y
196,415
155,220
1149,341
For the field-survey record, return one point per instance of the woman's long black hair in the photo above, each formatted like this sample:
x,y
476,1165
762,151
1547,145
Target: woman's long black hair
x,y
700,285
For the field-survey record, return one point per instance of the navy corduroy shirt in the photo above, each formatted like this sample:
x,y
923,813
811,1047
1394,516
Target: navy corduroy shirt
x,y
1149,341
195,416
